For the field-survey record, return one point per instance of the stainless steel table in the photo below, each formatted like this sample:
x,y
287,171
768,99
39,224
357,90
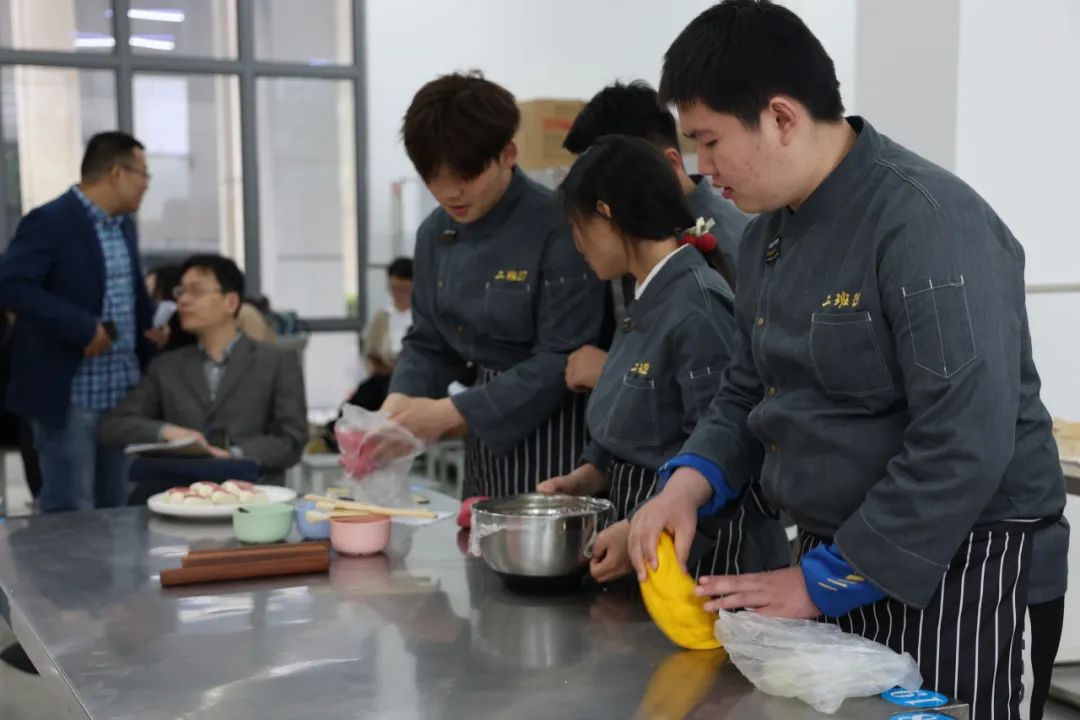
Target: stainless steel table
x,y
420,632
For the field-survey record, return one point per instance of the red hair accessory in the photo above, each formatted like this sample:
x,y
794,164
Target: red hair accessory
x,y
700,237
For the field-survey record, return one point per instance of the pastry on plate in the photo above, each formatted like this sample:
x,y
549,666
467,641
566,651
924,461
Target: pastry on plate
x,y
235,486
204,488
176,495
223,497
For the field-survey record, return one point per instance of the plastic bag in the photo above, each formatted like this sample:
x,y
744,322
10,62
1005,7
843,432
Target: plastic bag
x,y
377,455
812,661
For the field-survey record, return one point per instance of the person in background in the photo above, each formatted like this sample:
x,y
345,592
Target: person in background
x,y
14,430
253,323
385,336
239,399
882,390
634,109
498,287
71,274
161,280
625,204
161,283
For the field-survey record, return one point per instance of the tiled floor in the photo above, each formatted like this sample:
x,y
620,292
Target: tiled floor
x,y
27,697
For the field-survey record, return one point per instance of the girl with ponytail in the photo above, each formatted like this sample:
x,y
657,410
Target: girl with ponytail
x,y
629,216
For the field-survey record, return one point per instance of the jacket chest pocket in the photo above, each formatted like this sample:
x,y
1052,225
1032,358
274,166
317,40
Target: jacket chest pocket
x,y
634,416
846,356
508,311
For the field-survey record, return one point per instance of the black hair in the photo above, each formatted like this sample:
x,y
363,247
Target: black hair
x,y
166,278
632,177
460,121
224,270
737,55
105,150
633,110
400,268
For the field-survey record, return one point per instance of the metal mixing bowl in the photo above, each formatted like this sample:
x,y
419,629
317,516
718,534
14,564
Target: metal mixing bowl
x,y
539,536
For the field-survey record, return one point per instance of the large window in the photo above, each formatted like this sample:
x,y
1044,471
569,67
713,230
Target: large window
x,y
204,28
251,113
191,128
328,42
46,116
307,184
62,25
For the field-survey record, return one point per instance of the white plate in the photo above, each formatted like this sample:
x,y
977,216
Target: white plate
x,y
157,504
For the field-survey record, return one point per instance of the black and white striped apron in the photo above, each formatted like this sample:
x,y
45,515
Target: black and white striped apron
x,y
552,449
632,485
968,641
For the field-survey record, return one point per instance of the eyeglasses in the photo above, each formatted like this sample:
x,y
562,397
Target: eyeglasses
x,y
137,171
194,291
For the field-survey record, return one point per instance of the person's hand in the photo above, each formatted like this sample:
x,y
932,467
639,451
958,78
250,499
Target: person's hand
x,y
427,419
674,509
586,480
583,368
100,343
364,452
394,403
610,559
158,336
780,593
175,433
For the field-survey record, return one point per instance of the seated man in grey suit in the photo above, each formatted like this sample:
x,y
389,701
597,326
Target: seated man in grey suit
x,y
239,398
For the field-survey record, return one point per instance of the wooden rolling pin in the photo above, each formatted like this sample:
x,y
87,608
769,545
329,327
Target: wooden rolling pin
x,y
337,504
199,558
245,570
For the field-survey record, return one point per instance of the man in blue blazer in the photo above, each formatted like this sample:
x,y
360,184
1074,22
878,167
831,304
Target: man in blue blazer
x,y
71,275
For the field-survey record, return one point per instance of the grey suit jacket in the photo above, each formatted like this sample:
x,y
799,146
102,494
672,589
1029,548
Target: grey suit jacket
x,y
260,403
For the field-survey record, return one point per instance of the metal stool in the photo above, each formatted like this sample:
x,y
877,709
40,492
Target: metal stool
x,y
315,468
442,456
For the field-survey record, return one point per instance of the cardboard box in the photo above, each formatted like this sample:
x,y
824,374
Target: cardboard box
x,y
544,124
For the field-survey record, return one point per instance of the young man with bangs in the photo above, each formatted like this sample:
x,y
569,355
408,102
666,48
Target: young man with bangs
x,y
498,289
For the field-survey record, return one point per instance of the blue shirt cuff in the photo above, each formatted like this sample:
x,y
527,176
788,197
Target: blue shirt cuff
x,y
833,584
722,492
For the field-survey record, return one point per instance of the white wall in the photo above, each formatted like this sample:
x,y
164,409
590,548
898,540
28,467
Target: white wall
x,y
1017,142
910,96
1017,146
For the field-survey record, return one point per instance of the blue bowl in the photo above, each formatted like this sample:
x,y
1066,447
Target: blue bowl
x,y
311,531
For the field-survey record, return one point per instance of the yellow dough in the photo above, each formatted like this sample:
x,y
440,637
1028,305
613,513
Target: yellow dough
x,y
669,597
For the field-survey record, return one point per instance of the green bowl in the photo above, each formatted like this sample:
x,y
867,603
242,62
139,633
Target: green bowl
x,y
263,523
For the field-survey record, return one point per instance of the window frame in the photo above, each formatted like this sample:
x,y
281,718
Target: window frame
x,y
124,64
